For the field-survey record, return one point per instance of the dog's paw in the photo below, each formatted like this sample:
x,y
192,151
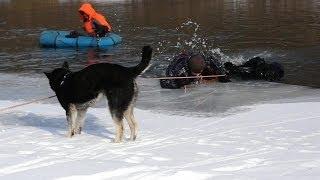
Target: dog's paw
x,y
133,138
77,131
116,141
70,134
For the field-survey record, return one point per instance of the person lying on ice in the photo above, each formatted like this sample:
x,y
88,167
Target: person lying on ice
x,y
188,64
94,24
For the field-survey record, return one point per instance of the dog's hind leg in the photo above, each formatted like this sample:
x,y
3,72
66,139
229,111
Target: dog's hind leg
x,y
117,106
71,118
119,128
81,114
131,122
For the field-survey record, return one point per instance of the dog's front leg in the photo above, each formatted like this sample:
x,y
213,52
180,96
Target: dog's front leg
x,y
119,129
81,114
71,118
70,132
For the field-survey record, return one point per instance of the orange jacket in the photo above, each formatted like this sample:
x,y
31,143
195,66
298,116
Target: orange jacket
x,y
93,16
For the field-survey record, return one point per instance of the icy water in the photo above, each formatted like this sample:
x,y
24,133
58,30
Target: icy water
x,y
282,30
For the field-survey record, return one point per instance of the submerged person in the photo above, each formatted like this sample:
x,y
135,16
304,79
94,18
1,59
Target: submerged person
x,y
94,24
189,64
257,69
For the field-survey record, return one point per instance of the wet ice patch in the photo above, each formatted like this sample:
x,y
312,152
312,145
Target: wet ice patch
x,y
203,153
160,158
250,163
116,173
191,175
26,152
135,160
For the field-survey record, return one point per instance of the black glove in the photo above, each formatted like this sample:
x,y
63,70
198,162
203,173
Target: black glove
x,y
73,34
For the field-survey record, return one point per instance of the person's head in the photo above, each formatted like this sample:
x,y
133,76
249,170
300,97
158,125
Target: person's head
x,y
86,11
196,64
84,16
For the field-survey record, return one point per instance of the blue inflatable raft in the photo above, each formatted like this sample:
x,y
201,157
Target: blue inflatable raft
x,y
58,39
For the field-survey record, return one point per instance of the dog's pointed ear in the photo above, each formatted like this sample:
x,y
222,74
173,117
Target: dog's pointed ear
x,y
65,65
47,74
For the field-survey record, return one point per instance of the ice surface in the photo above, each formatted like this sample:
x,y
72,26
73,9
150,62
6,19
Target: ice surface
x,y
242,130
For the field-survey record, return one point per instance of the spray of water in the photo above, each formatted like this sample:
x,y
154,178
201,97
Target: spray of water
x,y
118,26
191,38
194,41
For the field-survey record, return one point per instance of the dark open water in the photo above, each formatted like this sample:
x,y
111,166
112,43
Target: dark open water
x,y
287,31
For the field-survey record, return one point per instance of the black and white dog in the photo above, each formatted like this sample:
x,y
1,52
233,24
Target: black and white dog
x,y
77,91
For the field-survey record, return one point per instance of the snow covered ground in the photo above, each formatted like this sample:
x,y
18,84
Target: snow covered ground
x,y
255,140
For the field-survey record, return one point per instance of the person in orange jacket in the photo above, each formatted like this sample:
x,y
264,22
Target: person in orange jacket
x,y
94,23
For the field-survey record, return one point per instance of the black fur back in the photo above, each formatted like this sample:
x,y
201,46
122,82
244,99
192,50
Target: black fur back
x,y
85,85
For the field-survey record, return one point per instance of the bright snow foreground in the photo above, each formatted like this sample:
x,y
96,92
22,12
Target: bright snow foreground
x,y
271,141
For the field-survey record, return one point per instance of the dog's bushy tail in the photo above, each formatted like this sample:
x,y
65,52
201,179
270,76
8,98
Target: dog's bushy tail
x,y
146,57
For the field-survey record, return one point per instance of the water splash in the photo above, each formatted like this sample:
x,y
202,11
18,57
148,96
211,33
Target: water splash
x,y
188,39
191,38
118,26
217,54
196,42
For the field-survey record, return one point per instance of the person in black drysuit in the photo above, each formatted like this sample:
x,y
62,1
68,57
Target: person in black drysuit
x,y
189,64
